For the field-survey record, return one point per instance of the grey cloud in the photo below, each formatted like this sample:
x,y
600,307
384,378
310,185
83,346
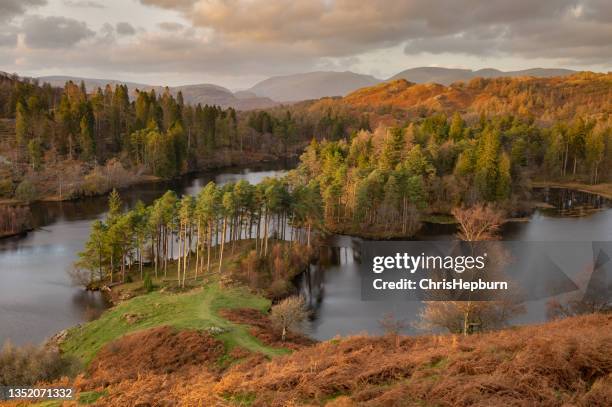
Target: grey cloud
x,y
170,4
54,32
168,52
124,28
8,38
170,26
12,8
341,28
269,37
83,4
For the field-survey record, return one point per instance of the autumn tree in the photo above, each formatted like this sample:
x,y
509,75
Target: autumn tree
x,y
288,314
392,327
478,223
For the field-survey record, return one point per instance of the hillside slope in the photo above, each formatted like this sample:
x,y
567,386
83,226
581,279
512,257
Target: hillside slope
x,y
566,362
311,85
446,76
546,99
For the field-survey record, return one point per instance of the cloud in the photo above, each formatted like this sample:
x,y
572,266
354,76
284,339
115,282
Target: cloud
x,y
12,8
256,38
340,28
170,26
124,28
8,38
54,32
83,4
170,4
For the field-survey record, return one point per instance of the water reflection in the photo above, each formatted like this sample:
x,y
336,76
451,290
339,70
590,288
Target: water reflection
x,y
333,287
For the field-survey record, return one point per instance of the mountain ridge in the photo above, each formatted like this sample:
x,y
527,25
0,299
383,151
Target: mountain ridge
x,y
586,94
203,93
291,88
312,85
446,76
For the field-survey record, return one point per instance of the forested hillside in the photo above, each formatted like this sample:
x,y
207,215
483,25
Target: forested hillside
x,y
387,180
75,141
470,137
544,100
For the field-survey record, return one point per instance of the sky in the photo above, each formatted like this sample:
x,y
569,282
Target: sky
x,y
236,43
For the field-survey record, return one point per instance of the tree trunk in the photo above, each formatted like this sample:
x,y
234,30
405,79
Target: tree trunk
x,y
140,259
186,252
197,264
178,260
266,233
222,242
210,229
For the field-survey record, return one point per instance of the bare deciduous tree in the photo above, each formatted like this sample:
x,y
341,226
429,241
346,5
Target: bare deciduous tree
x,y
288,313
392,327
478,223
467,317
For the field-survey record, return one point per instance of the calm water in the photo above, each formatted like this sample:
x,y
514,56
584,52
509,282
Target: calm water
x,y
37,298
333,289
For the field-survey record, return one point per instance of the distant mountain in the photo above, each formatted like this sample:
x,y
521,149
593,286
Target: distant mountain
x,y
91,83
446,76
218,95
312,85
201,93
306,86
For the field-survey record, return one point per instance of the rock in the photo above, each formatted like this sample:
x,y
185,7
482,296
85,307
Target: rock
x,y
57,339
216,330
131,318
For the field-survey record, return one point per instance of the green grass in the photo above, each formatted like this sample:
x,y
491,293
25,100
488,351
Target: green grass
x,y
90,397
241,399
198,309
441,219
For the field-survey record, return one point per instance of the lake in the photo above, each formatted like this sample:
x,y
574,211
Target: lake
x,y
37,298
333,290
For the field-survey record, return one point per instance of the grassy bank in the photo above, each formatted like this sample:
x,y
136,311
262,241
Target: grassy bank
x,y
198,309
197,306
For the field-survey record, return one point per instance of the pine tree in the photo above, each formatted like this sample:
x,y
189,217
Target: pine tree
x,y
115,206
504,180
456,128
392,149
35,154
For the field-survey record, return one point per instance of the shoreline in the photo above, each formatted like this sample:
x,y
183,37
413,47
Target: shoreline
x,y
602,189
241,160
15,234
144,180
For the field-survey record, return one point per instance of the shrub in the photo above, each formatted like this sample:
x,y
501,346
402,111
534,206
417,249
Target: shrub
x,y
24,366
288,313
279,288
95,183
6,188
147,283
26,191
